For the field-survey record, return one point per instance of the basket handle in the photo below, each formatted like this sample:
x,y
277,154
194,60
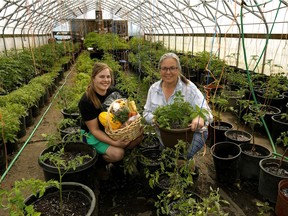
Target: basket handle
x,y
109,110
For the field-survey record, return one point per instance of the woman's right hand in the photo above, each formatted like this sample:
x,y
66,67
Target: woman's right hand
x,y
122,143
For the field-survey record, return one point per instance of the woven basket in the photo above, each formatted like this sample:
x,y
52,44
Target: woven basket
x,y
130,132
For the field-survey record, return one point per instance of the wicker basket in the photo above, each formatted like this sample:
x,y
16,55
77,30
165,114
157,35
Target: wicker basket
x,y
130,132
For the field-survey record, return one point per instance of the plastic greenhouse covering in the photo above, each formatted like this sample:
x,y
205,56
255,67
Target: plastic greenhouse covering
x,y
225,27
231,75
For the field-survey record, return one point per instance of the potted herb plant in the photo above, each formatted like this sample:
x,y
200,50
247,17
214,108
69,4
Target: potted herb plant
x,y
279,125
218,127
226,158
272,171
68,102
178,196
252,153
150,139
173,120
53,197
9,128
237,135
175,168
68,161
68,126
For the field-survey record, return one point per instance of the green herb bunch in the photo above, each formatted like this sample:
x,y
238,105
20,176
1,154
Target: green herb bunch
x,y
121,115
178,114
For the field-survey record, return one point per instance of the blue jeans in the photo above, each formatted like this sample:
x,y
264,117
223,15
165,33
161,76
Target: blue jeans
x,y
197,143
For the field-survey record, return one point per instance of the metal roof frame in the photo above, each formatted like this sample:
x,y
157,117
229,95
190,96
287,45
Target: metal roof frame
x,y
46,14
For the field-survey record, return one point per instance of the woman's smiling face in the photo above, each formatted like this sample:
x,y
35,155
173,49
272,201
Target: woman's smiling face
x,y
102,81
169,71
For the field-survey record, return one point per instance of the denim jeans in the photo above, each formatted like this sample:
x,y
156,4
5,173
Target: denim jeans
x,y
197,143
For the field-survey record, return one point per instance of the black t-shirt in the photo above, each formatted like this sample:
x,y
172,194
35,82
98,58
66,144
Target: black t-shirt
x,y
88,111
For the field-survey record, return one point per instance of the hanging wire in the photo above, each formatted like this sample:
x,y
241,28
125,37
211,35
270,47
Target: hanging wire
x,y
215,35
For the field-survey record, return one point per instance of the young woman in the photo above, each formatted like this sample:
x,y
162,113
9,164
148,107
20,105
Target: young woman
x,y
92,103
163,92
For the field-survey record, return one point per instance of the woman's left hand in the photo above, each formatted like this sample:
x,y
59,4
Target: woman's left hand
x,y
197,123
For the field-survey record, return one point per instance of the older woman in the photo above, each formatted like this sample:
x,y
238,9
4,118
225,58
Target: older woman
x,y
162,93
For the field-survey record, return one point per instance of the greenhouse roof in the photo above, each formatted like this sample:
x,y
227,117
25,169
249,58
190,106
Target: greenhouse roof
x,y
151,16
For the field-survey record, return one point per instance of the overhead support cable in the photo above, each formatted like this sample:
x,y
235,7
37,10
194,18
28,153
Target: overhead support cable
x,y
216,26
267,37
234,20
180,12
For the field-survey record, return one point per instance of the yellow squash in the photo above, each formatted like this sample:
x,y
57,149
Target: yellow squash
x,y
105,117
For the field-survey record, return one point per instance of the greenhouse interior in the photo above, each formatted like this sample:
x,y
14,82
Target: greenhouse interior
x,y
144,107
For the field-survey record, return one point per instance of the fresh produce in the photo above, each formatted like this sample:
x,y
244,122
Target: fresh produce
x,y
106,118
132,106
123,111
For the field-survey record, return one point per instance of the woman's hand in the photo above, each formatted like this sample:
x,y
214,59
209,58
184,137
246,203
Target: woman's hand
x,y
197,123
122,143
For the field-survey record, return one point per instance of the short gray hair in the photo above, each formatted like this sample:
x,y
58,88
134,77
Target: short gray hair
x,y
170,55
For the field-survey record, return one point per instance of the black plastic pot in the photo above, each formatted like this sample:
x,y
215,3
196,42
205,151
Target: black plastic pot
x,y
285,105
150,159
232,97
12,147
278,102
226,157
35,110
269,111
22,128
278,126
268,182
69,187
249,163
2,157
41,102
150,141
46,97
67,115
29,120
217,131
238,136
83,174
174,211
73,130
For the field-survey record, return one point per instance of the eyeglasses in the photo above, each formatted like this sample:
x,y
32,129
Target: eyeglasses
x,y
172,69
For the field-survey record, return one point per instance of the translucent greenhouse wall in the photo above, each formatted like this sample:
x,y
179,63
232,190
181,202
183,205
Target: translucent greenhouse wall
x,y
18,43
277,50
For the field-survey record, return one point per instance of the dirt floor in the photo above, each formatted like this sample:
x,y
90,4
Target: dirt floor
x,y
128,195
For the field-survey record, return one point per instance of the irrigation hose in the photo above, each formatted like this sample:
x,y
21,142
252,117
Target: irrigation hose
x,y
248,73
36,127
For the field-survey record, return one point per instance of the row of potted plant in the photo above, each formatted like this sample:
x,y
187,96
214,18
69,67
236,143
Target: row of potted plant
x,y
23,104
29,63
70,190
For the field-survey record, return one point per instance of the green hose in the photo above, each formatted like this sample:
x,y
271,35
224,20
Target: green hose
x,y
248,73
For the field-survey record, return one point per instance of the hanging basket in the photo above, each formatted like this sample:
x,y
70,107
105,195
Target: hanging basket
x,y
129,132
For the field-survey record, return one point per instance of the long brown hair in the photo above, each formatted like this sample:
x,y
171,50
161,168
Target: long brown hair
x,y
90,91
